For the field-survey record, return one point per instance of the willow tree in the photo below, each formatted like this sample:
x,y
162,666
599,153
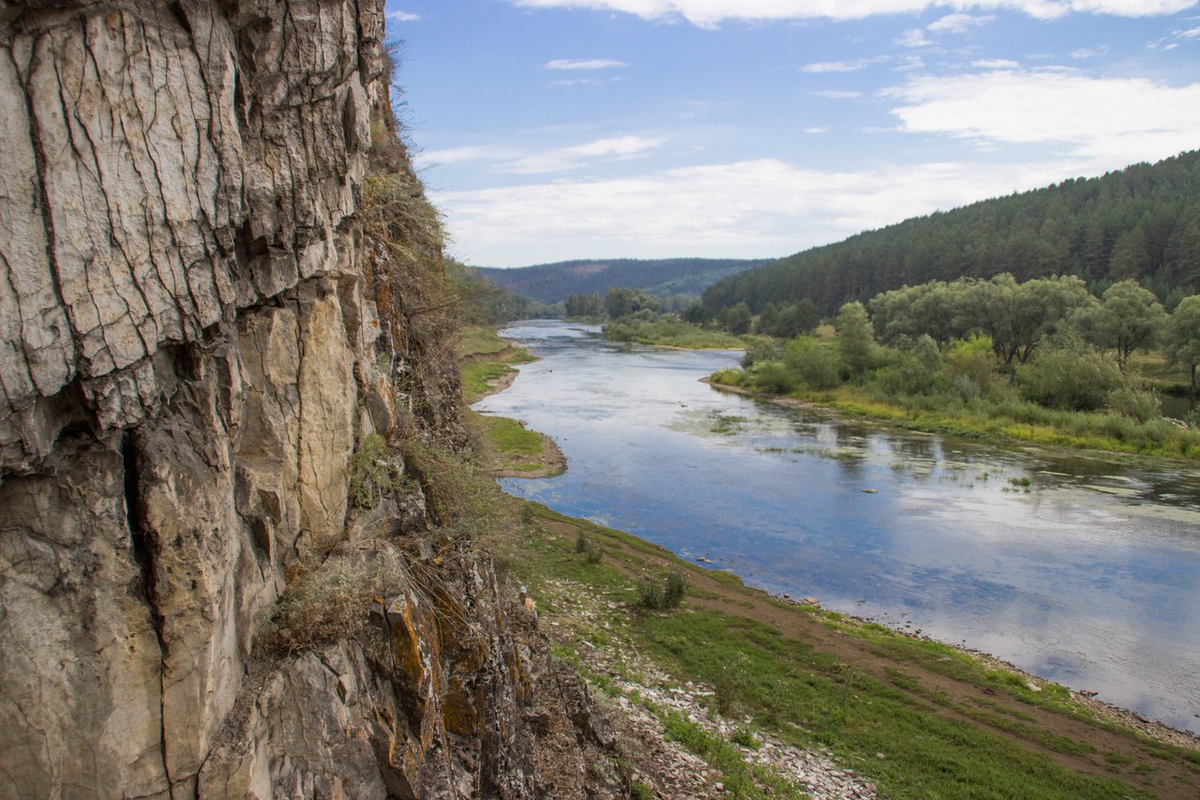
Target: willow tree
x,y
1128,318
1183,336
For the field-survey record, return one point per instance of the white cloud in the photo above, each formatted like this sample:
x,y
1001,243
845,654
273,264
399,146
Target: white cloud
x,y
1089,52
914,38
403,16
836,94
1113,121
711,13
458,155
569,158
1173,40
958,23
763,207
994,63
909,62
840,66
583,63
579,82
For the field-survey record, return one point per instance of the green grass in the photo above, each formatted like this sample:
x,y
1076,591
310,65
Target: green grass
x,y
480,340
1012,420
1154,369
511,438
809,698
514,448
486,359
671,332
478,378
741,778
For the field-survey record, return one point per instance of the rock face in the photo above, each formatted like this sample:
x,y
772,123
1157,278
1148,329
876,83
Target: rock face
x,y
191,352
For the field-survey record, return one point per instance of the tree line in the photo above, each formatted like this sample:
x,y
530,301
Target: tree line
x,y
1047,340
1141,223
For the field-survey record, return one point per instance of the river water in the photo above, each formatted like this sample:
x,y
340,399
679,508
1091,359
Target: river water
x,y
1081,570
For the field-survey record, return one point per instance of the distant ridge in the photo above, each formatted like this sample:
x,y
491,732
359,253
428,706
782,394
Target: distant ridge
x,y
1142,222
553,283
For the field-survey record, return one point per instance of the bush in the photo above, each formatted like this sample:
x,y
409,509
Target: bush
x,y
974,360
332,602
763,351
374,474
456,492
728,377
813,362
772,376
593,551
746,738
965,388
729,683
914,371
1072,378
661,590
1140,405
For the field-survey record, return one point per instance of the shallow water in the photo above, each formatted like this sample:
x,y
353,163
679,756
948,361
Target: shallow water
x,y
1080,570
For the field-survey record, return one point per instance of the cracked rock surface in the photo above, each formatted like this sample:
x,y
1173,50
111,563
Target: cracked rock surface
x,y
166,165
190,354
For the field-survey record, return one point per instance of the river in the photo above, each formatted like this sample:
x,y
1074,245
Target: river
x,y
1082,570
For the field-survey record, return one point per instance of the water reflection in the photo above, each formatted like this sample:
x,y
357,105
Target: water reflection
x,y
1078,569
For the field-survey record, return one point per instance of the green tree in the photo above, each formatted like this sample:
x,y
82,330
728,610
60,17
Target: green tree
x,y
767,319
1069,375
737,319
855,342
916,370
815,363
697,314
972,365
576,305
620,302
795,319
1183,336
1128,317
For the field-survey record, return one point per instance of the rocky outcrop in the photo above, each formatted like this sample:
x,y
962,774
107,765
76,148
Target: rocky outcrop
x,y
196,335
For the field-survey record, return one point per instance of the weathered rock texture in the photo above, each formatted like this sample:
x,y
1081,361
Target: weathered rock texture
x,y
195,336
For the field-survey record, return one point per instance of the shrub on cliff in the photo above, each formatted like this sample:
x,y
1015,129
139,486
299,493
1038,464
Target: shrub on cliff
x,y
374,474
332,602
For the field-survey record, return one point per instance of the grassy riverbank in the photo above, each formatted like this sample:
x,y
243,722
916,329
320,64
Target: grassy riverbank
x,y
488,365
670,332
487,361
916,718
1011,421
744,681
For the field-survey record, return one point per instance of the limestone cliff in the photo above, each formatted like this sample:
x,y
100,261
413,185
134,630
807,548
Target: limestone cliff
x,y
200,328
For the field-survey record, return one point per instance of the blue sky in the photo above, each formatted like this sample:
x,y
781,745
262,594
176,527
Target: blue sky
x,y
548,130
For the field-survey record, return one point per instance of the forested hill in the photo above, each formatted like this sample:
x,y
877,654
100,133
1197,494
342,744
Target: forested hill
x,y
552,283
1142,222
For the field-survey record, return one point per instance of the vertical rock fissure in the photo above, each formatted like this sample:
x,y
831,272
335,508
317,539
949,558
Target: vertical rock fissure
x,y
300,431
43,196
143,553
